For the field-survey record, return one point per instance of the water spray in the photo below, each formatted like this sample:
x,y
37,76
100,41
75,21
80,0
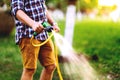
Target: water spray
x,y
75,67
49,29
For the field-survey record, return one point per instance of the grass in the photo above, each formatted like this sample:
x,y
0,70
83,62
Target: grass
x,y
102,39
10,62
90,37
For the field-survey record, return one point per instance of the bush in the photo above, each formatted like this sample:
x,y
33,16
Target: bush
x,y
6,23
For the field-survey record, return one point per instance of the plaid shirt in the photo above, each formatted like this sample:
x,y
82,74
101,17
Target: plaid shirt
x,y
36,10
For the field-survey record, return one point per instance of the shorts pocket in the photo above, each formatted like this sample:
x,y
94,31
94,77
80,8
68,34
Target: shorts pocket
x,y
21,45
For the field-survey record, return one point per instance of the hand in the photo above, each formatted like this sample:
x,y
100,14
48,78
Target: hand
x,y
37,27
56,28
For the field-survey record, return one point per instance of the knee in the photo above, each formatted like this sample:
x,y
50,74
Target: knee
x,y
50,68
29,72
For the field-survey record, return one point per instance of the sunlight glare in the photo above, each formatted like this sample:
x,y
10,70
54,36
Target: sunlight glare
x,y
107,2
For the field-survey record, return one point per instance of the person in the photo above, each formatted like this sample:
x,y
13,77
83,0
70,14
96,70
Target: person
x,y
29,15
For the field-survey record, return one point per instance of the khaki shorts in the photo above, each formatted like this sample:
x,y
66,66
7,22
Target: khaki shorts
x,y
30,54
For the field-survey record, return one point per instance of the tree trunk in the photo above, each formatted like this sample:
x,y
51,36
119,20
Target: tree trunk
x,y
73,2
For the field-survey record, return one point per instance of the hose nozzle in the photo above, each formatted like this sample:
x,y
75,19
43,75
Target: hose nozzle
x,y
49,29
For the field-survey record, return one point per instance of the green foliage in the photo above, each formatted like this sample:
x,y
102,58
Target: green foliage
x,y
100,38
83,5
52,1
7,2
10,60
61,4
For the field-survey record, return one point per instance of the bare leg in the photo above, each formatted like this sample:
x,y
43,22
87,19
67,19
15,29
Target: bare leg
x,y
27,74
47,72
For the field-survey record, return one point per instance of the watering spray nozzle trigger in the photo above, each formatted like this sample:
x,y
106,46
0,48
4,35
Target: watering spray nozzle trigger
x,y
49,29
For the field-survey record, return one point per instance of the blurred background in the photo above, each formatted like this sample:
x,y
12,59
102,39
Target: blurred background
x,y
95,34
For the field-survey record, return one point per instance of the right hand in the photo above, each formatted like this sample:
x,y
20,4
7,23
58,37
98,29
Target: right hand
x,y
37,27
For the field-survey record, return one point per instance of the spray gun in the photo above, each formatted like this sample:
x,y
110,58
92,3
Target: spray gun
x,y
47,27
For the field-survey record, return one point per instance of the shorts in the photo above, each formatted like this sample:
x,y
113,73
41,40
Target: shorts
x,y
30,54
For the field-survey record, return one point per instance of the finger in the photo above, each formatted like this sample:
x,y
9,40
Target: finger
x,y
56,30
40,25
40,29
37,31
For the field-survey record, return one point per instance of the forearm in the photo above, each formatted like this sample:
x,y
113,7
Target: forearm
x,y
50,19
24,18
52,22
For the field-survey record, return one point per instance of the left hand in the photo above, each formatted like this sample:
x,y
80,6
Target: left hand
x,y
56,28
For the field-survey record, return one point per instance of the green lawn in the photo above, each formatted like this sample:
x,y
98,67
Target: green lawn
x,y
90,37
101,39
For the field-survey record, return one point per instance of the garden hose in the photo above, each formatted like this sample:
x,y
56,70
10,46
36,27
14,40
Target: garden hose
x,y
37,45
49,29
57,63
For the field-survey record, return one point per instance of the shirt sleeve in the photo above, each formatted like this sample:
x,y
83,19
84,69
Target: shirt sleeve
x,y
16,5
